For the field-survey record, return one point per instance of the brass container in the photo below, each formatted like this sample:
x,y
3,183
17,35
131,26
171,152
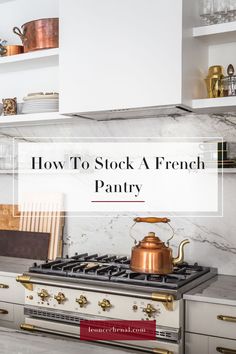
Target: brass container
x,y
13,50
214,81
9,106
151,255
39,34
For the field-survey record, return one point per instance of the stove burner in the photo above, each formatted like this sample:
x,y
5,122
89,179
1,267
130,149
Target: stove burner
x,y
116,269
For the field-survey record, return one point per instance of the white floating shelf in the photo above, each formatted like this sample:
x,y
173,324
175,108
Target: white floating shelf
x,y
216,34
15,172
227,170
34,119
220,170
36,55
7,172
214,105
2,1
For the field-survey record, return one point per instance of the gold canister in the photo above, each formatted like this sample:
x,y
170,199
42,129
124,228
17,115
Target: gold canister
x,y
214,81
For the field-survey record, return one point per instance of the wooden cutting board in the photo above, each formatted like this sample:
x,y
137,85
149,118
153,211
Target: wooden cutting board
x,y
32,221
51,222
21,244
7,219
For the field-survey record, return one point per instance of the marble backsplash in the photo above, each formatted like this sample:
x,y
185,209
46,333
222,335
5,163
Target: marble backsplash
x,y
213,240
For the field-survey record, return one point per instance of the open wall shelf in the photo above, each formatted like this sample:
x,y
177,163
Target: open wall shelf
x,y
216,46
216,34
225,171
25,57
36,71
214,105
34,119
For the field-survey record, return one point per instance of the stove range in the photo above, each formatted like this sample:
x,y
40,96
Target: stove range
x,y
116,269
61,293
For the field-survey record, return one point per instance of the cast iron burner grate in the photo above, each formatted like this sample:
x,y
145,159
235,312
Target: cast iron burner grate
x,y
116,269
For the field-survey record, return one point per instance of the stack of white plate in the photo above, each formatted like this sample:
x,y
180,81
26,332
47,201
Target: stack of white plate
x,y
40,103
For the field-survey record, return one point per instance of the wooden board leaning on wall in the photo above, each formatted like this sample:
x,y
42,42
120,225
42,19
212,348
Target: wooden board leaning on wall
x,y
50,222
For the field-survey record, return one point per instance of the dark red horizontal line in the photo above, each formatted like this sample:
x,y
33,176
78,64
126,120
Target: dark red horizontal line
x,y
117,201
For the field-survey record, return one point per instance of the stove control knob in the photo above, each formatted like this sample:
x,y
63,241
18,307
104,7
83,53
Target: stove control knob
x,y
60,297
43,294
149,310
82,301
104,304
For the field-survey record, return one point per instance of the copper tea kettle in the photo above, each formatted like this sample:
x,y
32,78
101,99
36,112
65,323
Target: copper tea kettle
x,y
151,255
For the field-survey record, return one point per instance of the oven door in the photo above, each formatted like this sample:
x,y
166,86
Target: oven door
x,y
152,346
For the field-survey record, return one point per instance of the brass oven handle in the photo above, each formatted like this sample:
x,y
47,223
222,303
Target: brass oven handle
x,y
162,351
29,327
4,286
25,280
166,299
226,318
3,312
225,350
152,220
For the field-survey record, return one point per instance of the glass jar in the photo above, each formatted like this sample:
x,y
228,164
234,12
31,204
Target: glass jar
x,y
229,82
229,85
206,11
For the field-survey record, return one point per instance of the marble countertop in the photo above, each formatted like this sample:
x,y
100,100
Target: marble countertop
x,y
219,290
11,266
15,342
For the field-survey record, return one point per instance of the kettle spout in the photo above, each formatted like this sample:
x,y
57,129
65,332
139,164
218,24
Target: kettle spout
x,y
180,258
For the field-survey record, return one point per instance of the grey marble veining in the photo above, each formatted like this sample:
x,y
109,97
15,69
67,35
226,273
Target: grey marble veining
x,y
184,126
213,241
219,290
15,342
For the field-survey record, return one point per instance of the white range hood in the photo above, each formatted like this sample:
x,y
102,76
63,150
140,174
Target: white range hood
x,y
138,113
122,59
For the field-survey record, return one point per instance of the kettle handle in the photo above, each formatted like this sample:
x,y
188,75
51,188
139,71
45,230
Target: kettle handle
x,y
152,220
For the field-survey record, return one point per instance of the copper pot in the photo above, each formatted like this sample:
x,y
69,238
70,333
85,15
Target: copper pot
x,y
12,50
151,255
39,34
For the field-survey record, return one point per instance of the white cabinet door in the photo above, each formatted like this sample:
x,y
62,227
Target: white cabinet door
x,y
11,291
196,344
222,345
211,319
11,315
117,54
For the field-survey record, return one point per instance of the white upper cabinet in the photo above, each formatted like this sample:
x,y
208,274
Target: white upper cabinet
x,y
124,54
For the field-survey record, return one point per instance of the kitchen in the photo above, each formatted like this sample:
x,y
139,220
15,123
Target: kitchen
x,y
158,55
